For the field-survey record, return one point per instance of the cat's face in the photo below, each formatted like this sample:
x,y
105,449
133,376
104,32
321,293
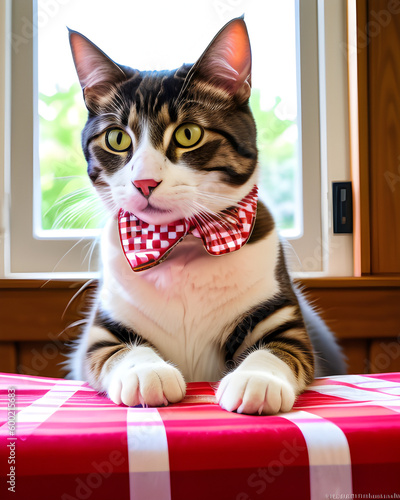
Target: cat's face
x,y
170,145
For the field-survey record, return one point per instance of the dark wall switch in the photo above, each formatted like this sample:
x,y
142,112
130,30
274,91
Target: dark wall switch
x,y
342,207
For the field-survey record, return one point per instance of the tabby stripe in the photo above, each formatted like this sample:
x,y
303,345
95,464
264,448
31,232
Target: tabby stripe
x,y
99,345
200,157
99,358
233,177
280,330
292,346
250,321
269,324
285,347
294,362
239,148
296,353
121,332
297,346
288,357
111,162
159,99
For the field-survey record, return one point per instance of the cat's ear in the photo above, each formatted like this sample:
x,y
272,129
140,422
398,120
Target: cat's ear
x,y
97,73
226,63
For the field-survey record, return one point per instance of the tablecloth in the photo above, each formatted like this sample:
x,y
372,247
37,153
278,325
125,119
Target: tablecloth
x,y
59,439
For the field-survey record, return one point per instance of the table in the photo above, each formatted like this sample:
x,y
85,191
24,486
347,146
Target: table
x,y
59,439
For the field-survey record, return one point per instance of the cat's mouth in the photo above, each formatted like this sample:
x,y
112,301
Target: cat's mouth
x,y
155,215
152,210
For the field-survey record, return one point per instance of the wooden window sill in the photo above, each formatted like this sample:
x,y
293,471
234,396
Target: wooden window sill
x,y
328,282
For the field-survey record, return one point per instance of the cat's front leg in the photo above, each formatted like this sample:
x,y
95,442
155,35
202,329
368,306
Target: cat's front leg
x,y
143,377
121,363
261,384
266,382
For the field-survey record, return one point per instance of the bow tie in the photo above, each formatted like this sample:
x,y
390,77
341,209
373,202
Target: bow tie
x,y
146,245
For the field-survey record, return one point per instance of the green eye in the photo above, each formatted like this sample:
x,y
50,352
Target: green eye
x,y
188,135
118,140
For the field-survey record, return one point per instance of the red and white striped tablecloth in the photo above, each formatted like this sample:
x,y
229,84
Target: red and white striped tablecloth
x,y
59,439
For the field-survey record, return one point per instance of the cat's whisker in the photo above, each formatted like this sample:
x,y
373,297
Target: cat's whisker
x,y
75,194
217,196
209,221
90,251
67,253
74,206
63,199
211,217
72,211
71,177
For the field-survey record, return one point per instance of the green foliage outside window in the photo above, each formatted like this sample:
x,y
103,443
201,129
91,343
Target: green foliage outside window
x,y
68,199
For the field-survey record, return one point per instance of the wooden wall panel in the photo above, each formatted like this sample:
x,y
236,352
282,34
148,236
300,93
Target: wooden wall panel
x,y
8,357
384,355
358,312
363,312
44,312
357,354
42,359
384,134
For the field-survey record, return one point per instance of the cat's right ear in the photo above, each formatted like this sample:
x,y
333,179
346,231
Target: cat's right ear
x,y
97,73
226,63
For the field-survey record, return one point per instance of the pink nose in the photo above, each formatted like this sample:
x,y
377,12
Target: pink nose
x,y
146,186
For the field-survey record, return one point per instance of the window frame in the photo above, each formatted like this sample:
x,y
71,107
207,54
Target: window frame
x,y
330,254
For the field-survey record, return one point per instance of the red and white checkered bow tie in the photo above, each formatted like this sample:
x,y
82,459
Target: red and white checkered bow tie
x,y
146,245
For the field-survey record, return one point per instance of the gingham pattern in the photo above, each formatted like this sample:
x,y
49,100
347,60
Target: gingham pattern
x,y
146,245
341,440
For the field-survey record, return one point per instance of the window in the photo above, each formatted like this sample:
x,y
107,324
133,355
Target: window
x,y
287,53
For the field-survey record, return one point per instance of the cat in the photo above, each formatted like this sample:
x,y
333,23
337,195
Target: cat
x,y
181,146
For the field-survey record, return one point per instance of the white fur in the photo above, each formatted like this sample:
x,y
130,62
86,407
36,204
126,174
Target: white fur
x,y
150,381
261,384
183,304
188,305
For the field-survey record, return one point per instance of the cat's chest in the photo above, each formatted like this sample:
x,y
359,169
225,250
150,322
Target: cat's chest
x,y
187,305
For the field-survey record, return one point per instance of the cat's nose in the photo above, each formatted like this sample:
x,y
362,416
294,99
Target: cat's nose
x,y
146,186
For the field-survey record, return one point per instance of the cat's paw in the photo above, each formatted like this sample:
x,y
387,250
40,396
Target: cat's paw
x,y
155,384
255,392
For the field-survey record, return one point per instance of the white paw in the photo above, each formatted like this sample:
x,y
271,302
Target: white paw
x,y
255,392
153,384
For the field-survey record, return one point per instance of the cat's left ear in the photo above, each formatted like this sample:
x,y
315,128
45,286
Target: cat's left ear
x,y
226,63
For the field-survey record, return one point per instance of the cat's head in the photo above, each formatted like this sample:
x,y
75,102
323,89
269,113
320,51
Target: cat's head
x,y
171,144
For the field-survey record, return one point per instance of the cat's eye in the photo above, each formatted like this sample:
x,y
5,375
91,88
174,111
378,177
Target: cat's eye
x,y
188,135
118,140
